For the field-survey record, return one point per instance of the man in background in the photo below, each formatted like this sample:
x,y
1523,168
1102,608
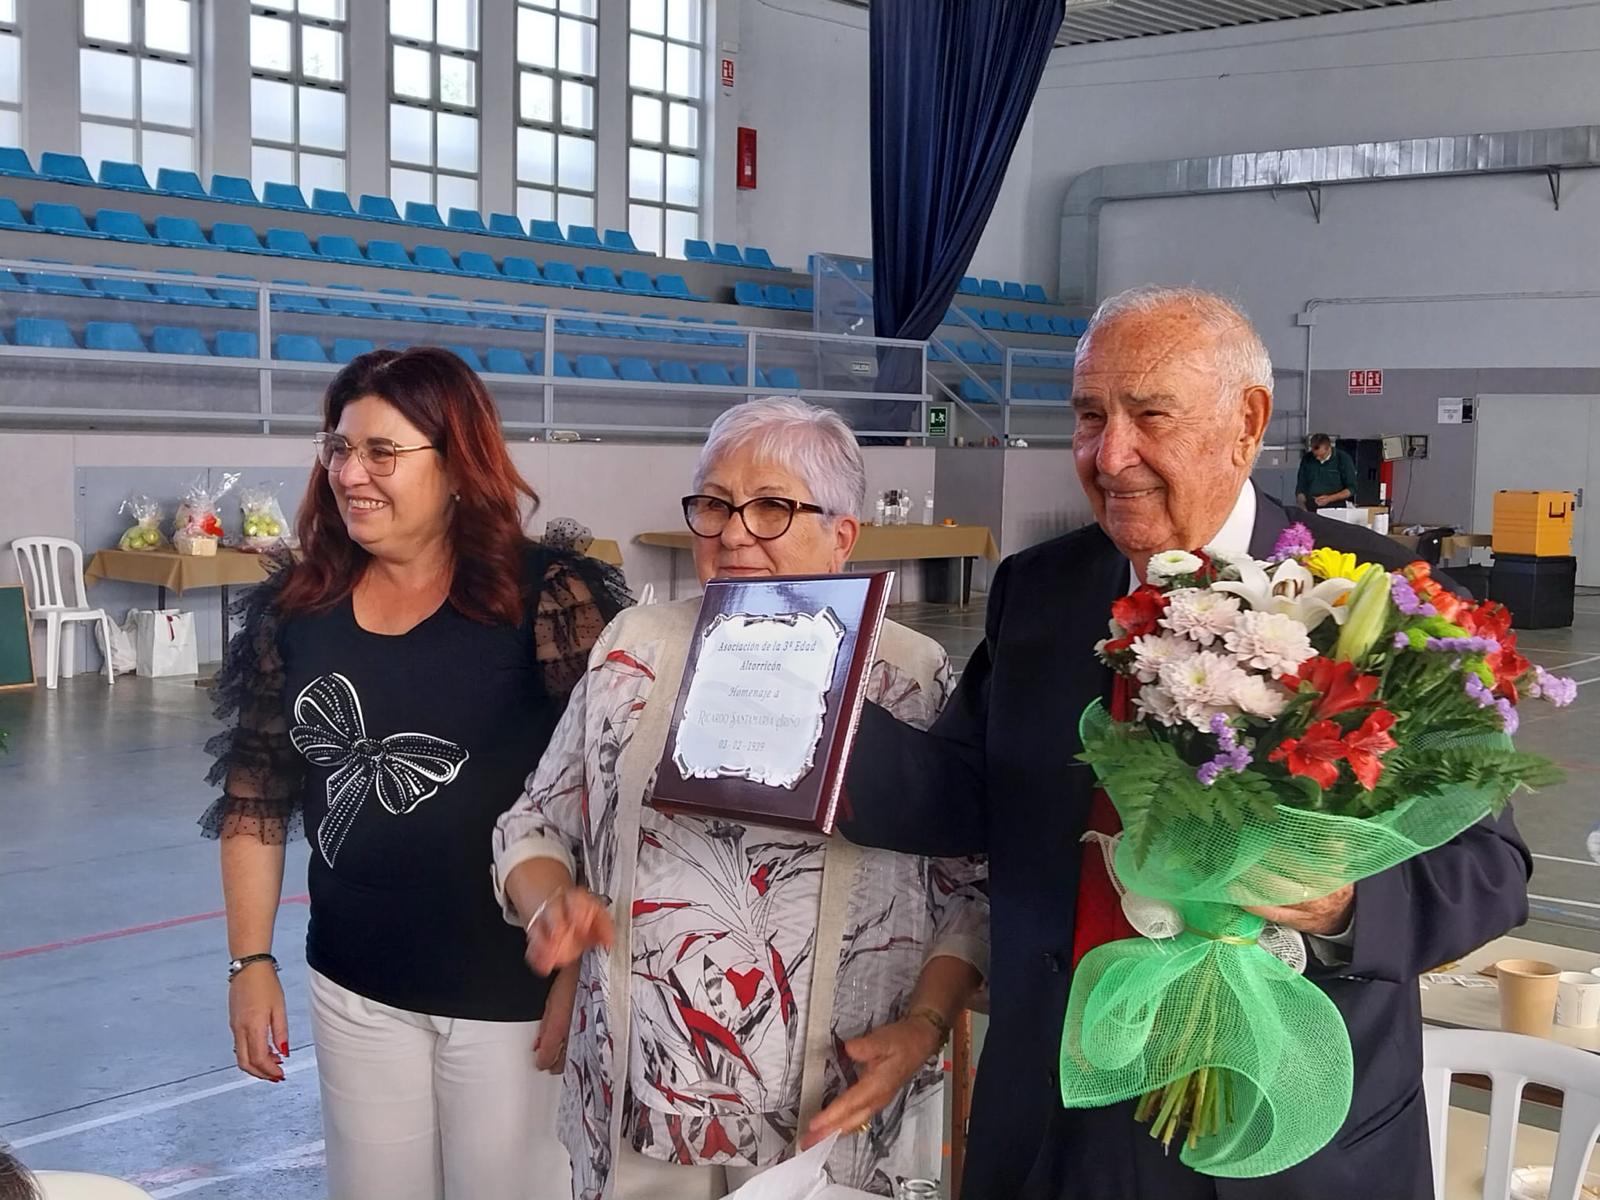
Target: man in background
x,y
1327,476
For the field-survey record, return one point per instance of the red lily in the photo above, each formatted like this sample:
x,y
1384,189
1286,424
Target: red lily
x,y
1139,610
1429,590
1494,621
1338,684
1364,747
1316,755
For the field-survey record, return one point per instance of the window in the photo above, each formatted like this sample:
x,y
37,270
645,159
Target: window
x,y
433,102
556,110
10,76
665,130
298,129
136,89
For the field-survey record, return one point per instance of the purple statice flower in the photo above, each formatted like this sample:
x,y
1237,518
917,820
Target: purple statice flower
x,y
1402,641
1231,756
1557,689
1406,599
1463,645
1483,697
1509,721
1294,542
1478,691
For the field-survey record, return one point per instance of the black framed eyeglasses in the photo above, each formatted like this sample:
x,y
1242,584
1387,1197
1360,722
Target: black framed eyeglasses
x,y
766,517
377,454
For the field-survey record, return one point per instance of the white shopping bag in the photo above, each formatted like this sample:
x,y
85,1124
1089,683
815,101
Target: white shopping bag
x,y
124,659
803,1177
164,642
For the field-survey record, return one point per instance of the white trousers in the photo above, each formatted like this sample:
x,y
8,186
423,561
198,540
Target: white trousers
x,y
641,1178
416,1107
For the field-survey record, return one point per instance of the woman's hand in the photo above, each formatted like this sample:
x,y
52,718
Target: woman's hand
x,y
570,921
550,1049
890,1056
259,1021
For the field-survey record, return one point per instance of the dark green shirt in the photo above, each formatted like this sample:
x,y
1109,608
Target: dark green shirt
x,y
1326,478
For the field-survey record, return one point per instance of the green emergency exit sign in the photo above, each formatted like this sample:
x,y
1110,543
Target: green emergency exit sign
x,y
938,420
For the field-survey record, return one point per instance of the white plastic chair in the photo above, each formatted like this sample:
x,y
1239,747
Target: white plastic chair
x,y
56,602
1512,1060
75,1185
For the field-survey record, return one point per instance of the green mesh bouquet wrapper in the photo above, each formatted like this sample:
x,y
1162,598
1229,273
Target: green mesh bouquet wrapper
x,y
1297,726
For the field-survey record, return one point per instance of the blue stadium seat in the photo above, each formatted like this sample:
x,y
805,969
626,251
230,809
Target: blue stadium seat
x,y
582,326
41,331
232,187
1023,390
621,329
695,336
758,256
329,200
595,366
676,372
935,354
351,306
517,267
179,339
562,274
401,310
14,161
69,167
561,370
121,226
600,278
476,262
727,339
438,314
779,296
467,355
533,314
727,252
1017,322
237,343
991,288
123,175
545,231
749,293
1034,292
696,250
675,287
186,293
805,298
507,223
345,348
62,218
231,235
499,318
585,236
968,350
294,302
9,282
657,333
968,286
11,216
1013,290
784,379
378,207
339,248
502,360
388,254
638,281
972,393
992,318
298,347
236,297
621,240
434,258
713,375
469,219
418,213
53,284
292,242
112,335
283,195
180,183
181,231
1039,323
124,289
1080,326
1061,325
636,370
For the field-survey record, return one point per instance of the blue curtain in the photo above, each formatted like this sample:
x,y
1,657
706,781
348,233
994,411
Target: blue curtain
x,y
952,82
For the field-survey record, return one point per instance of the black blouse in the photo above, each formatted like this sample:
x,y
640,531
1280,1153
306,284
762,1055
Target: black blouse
x,y
397,754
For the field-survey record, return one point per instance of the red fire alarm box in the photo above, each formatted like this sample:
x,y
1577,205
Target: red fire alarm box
x,y
747,157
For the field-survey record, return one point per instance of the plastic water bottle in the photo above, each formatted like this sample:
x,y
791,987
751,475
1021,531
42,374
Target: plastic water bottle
x,y
883,509
905,506
927,507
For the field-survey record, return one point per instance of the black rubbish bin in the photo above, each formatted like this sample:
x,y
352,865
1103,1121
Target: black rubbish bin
x,y
946,581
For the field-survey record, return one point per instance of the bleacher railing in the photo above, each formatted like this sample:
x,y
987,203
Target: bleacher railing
x,y
266,352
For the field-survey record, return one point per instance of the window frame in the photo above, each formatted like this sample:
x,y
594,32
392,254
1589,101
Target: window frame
x,y
557,127
13,28
296,78
437,51
699,103
137,51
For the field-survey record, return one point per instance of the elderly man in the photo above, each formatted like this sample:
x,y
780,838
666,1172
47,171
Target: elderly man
x,y
1173,392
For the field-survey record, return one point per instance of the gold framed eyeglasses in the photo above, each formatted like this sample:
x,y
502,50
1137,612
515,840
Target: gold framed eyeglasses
x,y
766,517
377,454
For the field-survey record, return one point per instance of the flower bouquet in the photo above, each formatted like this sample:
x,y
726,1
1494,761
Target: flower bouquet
x,y
1296,725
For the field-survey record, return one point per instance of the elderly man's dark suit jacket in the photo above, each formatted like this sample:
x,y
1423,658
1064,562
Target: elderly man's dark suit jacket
x,y
996,775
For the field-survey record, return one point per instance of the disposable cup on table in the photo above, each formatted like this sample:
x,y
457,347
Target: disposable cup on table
x,y
1527,995
1578,1000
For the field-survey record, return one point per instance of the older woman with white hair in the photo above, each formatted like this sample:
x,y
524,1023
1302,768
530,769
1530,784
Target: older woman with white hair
x,y
690,1081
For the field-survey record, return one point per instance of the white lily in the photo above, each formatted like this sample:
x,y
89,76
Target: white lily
x,y
1290,589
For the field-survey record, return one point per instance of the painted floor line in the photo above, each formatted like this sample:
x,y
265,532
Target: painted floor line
x,y
308,1063
1577,862
1563,902
111,934
305,1155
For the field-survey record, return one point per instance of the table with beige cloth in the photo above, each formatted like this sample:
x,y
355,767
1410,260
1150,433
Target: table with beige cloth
x,y
1455,1007
877,543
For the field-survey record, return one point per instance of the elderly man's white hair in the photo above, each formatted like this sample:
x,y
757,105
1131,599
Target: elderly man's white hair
x,y
814,444
1242,359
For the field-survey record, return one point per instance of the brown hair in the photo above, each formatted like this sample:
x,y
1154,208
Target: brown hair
x,y
445,399
1319,440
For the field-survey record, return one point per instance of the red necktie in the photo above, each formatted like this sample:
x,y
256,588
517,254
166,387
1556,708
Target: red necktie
x,y
1099,918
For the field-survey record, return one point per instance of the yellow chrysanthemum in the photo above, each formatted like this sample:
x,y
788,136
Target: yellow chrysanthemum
x,y
1327,563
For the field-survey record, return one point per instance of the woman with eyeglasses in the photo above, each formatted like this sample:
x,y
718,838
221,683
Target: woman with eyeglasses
x,y
387,694
694,1083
